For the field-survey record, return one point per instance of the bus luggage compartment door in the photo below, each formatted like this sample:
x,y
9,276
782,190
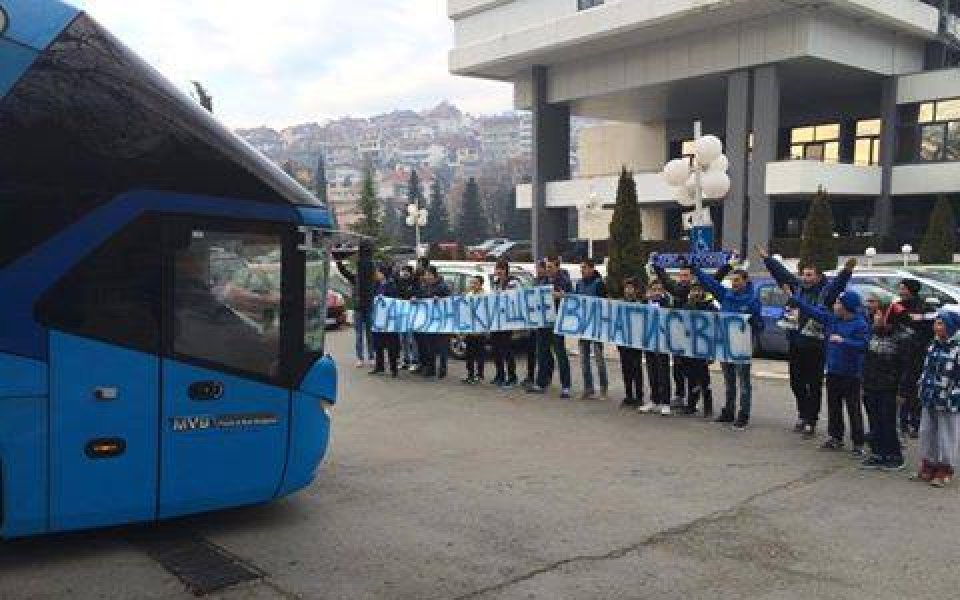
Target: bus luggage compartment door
x,y
103,435
224,440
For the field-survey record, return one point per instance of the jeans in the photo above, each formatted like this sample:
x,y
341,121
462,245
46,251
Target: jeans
x,y
806,380
631,364
409,348
552,352
658,372
734,374
844,391
697,373
363,331
503,358
476,355
881,408
586,347
679,372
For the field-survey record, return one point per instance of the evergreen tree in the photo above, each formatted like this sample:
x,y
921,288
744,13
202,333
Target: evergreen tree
x,y
438,223
940,240
818,246
320,180
394,229
414,189
627,257
370,223
472,226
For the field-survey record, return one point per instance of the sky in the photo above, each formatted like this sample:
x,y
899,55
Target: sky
x,y
283,62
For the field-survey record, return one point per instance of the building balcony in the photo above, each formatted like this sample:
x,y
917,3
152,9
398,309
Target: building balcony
x,y
652,189
498,38
928,178
803,177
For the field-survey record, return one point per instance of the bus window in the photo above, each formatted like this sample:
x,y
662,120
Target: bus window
x,y
236,324
114,294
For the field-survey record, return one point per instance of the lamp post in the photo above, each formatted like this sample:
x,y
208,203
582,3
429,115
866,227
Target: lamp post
x,y
705,176
589,208
870,253
906,249
417,218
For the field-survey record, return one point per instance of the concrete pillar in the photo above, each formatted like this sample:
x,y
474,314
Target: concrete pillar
x,y
551,162
883,207
653,223
733,234
766,125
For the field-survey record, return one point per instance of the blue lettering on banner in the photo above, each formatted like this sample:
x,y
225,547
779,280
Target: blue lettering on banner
x,y
704,335
476,318
420,315
529,309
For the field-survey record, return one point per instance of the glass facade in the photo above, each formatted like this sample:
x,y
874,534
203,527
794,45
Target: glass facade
x,y
816,142
866,149
930,132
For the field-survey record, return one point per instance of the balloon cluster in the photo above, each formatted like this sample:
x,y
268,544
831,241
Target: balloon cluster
x,y
416,216
711,164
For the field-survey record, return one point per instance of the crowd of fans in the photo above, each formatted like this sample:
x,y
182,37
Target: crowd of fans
x,y
899,361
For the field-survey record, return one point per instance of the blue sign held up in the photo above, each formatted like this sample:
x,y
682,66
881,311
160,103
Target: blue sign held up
x,y
704,260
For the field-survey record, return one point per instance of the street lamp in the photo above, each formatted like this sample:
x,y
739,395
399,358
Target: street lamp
x,y
906,249
705,176
417,218
590,207
871,253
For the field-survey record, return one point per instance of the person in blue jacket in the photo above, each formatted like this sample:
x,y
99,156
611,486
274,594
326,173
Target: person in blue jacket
x,y
806,346
742,298
847,334
591,284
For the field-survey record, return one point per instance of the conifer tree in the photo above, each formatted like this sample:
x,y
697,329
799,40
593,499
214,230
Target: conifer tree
x,y
627,256
818,246
940,240
370,223
438,222
472,226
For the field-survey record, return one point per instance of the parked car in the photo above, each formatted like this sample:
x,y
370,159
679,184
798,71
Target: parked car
x,y
513,251
949,274
480,251
934,291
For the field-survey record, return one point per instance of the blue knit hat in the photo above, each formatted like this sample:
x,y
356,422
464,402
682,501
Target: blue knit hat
x,y
951,320
851,301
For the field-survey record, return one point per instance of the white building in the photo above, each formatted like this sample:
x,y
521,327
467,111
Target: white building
x,y
861,97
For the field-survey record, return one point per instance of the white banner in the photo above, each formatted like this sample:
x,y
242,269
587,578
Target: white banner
x,y
523,308
726,337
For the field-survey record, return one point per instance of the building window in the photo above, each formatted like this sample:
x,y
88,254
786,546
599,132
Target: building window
x,y
866,150
585,4
939,124
816,142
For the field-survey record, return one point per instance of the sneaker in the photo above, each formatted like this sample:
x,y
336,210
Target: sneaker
x,y
469,380
874,462
360,364
565,393
809,431
665,410
535,389
688,410
799,427
376,372
925,473
893,464
858,452
724,418
740,424
508,384
832,444
413,368
628,402
678,401
497,381
587,395
527,382
647,408
604,390
939,479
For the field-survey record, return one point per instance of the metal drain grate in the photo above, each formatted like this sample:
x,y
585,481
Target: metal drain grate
x,y
200,565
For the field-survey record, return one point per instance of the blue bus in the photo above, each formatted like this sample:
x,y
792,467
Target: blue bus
x,y
140,379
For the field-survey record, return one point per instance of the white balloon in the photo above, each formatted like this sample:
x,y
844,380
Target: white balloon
x,y
676,171
707,149
715,184
722,163
411,221
424,213
422,221
411,209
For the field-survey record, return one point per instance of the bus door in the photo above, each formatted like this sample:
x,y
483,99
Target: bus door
x,y
104,322
225,414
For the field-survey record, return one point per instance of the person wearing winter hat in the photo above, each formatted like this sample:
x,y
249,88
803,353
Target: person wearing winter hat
x,y
940,399
913,314
847,334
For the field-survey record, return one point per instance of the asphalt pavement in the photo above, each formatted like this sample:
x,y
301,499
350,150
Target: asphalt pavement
x,y
441,490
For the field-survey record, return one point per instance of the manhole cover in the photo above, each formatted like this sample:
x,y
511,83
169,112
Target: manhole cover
x,y
200,565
